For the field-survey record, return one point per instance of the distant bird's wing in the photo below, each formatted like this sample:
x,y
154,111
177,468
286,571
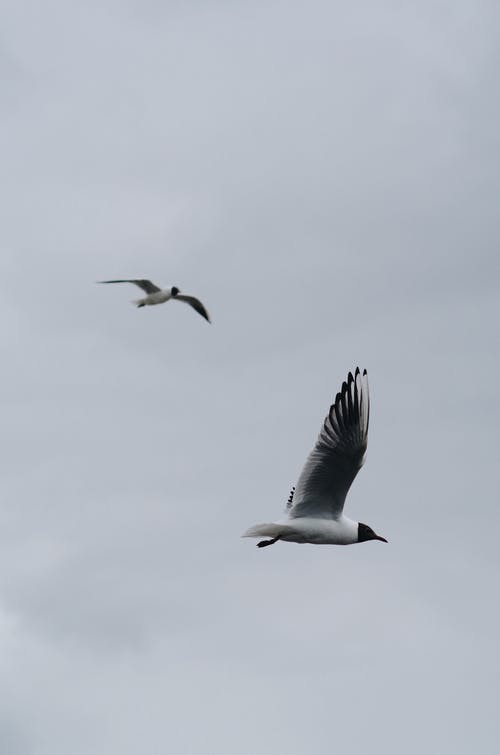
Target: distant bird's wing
x,y
338,454
195,303
146,285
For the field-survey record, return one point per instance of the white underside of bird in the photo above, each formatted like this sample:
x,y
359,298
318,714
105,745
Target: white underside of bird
x,y
156,295
304,529
159,297
315,507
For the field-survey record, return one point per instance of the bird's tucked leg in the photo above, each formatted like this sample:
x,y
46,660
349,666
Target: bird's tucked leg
x,y
141,304
263,543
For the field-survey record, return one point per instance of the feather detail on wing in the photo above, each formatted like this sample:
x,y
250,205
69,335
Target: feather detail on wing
x,y
194,303
143,283
338,454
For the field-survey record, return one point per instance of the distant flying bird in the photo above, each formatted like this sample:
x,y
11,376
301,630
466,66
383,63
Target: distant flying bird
x,y
315,507
157,295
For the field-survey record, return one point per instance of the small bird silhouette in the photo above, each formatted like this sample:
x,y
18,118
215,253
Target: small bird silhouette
x,y
156,295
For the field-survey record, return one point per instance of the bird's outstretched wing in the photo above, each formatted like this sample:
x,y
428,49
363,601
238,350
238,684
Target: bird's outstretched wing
x,y
338,454
195,303
146,285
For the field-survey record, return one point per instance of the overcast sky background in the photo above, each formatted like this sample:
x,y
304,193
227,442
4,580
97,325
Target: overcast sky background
x,y
325,177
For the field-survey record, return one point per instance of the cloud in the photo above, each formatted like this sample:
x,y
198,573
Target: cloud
x,y
325,178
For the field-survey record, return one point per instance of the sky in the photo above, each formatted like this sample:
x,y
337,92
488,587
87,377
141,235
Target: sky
x,y
325,177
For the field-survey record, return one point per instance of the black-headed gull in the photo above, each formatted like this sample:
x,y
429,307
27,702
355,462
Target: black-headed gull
x,y
156,295
315,508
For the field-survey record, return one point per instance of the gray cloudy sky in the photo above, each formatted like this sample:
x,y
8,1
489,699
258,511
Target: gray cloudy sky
x,y
325,176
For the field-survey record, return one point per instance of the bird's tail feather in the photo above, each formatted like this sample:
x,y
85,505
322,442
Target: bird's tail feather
x,y
270,529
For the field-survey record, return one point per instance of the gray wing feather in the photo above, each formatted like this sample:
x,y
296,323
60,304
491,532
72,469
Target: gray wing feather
x,y
195,303
143,283
338,454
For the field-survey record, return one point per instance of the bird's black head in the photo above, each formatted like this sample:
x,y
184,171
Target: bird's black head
x,y
366,533
174,290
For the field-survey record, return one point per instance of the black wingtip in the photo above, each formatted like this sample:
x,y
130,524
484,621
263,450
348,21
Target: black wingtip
x,y
337,411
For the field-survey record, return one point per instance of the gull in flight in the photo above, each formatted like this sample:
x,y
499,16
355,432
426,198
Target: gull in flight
x,y
156,295
315,508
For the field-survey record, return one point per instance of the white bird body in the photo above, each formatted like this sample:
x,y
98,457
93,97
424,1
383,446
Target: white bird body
x,y
341,531
315,509
158,297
